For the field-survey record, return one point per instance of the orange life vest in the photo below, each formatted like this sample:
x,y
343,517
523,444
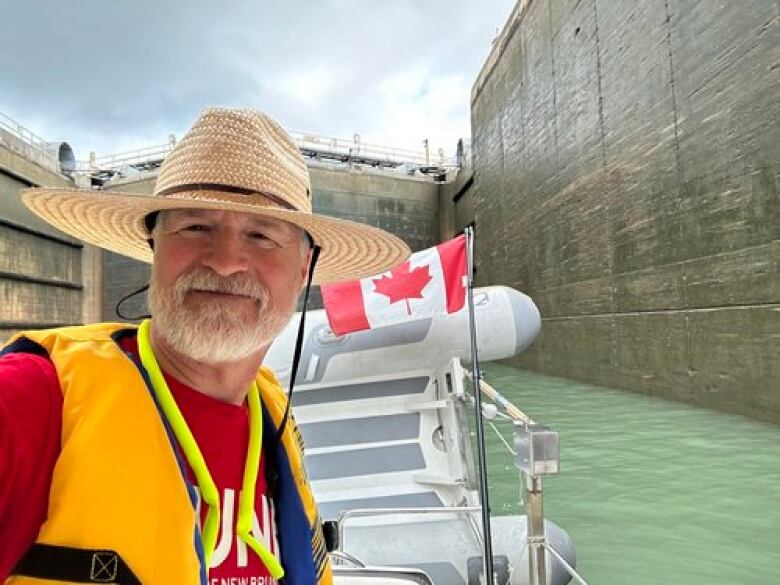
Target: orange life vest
x,y
117,448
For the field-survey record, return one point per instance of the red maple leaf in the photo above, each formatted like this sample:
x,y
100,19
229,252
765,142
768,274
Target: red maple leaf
x,y
402,285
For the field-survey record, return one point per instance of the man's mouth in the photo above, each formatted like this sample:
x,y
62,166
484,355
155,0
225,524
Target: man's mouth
x,y
220,294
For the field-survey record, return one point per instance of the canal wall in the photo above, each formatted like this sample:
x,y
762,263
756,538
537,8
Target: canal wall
x,y
47,278
407,206
627,177
456,201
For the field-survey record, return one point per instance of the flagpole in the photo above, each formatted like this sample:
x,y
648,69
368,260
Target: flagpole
x,y
475,376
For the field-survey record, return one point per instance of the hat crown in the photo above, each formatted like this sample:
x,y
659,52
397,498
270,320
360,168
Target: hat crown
x,y
243,150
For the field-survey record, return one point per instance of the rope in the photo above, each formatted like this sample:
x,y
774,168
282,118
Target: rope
x,y
503,440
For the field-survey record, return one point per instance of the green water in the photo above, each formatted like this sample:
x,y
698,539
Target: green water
x,y
651,491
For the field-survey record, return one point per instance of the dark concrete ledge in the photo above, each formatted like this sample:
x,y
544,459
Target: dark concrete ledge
x,y
39,280
27,230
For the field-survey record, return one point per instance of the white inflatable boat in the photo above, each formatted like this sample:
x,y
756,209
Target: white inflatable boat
x,y
388,450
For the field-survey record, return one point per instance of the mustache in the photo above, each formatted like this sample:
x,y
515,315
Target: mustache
x,y
236,284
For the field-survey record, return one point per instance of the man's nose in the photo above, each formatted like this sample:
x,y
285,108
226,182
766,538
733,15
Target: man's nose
x,y
226,255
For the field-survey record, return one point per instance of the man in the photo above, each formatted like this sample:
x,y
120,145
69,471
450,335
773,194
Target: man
x,y
164,454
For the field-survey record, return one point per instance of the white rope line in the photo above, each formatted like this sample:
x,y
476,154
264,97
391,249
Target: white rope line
x,y
503,440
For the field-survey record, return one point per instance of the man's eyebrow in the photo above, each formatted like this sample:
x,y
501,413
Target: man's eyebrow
x,y
262,222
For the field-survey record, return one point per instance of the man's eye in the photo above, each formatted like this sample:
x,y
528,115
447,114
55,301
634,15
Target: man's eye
x,y
260,237
195,227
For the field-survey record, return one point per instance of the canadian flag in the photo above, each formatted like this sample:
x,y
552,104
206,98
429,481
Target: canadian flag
x,y
430,282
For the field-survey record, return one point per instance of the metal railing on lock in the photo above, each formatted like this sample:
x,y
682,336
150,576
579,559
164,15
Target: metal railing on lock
x,y
33,146
150,156
311,145
314,144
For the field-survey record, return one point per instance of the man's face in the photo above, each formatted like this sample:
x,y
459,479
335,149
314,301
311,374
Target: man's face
x,y
224,283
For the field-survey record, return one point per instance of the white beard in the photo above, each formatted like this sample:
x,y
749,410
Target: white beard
x,y
214,332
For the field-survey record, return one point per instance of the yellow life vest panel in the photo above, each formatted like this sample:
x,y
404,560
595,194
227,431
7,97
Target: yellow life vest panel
x,y
118,484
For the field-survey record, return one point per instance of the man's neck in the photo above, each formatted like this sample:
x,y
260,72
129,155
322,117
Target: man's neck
x,y
226,381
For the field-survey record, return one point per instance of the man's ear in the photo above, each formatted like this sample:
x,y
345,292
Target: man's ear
x,y
150,221
305,268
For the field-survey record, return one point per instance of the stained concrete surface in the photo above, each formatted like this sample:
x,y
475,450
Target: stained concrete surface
x,y
627,177
47,278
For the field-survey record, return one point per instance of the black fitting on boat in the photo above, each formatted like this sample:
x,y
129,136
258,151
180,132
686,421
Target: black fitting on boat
x,y
330,530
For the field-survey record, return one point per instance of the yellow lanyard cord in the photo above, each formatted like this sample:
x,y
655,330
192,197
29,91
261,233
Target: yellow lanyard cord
x,y
208,490
246,502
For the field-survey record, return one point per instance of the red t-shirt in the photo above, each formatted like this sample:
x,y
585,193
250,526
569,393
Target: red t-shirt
x,y
30,424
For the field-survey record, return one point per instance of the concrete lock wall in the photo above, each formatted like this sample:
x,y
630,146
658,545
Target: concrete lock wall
x,y
123,275
47,279
403,205
627,176
456,202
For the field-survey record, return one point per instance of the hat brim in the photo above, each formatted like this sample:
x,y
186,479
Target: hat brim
x,y
115,221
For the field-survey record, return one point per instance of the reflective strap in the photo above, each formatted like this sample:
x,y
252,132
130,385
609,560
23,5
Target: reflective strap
x,y
246,502
78,565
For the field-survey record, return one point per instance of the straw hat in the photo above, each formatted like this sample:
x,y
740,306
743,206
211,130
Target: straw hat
x,y
236,160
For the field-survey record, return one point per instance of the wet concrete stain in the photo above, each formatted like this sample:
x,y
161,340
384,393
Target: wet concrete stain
x,y
627,176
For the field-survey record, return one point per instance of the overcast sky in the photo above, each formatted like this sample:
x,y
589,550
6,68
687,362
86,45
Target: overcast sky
x,y
112,75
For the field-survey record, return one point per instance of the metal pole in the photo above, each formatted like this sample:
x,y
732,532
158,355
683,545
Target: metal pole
x,y
537,567
475,377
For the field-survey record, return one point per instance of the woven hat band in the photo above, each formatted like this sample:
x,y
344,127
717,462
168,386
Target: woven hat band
x,y
256,196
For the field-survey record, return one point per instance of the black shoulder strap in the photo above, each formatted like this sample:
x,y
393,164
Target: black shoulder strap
x,y
24,345
78,565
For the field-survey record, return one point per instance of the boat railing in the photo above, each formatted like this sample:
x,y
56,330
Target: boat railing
x,y
348,515
535,450
379,575
537,454
340,557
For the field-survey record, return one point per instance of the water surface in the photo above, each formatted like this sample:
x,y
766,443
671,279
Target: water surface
x,y
652,491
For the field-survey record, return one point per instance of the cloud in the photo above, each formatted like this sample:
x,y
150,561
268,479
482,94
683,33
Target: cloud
x,y
110,76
